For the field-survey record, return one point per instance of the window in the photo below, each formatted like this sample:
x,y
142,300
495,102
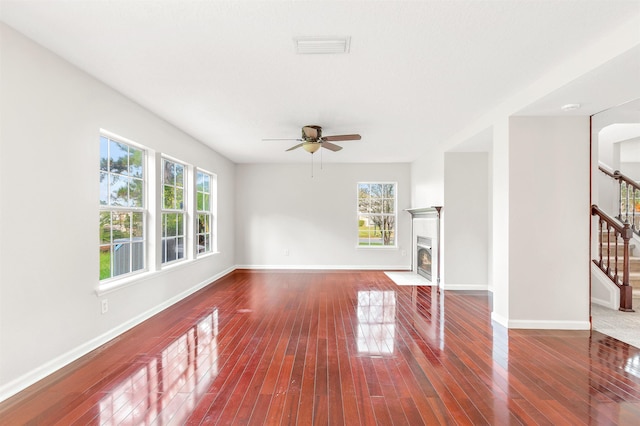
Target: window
x,y
173,211
376,214
122,208
203,211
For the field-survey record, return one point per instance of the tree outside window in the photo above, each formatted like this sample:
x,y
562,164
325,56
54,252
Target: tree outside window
x,y
122,209
376,214
173,211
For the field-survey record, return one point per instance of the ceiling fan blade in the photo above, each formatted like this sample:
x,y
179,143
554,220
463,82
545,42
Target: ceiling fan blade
x,y
280,139
296,146
342,138
331,146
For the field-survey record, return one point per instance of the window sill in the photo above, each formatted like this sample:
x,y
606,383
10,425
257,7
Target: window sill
x,y
130,280
376,247
118,284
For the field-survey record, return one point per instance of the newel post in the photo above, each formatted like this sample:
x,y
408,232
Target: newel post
x,y
626,291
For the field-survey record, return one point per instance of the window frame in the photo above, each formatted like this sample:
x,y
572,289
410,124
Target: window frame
x,y
165,212
394,214
209,214
130,210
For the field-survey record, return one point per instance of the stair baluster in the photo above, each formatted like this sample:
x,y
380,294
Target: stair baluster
x,y
615,231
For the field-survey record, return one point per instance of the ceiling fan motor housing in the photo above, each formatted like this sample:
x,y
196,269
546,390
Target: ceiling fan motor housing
x,y
311,133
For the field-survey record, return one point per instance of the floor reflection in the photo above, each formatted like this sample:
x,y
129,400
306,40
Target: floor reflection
x,y
428,314
376,322
167,387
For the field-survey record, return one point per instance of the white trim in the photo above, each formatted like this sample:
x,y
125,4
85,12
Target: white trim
x,y
454,287
499,319
329,267
9,389
598,277
540,324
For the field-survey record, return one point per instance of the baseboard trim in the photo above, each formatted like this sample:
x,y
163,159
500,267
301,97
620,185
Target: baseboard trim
x,y
328,267
19,384
481,287
603,302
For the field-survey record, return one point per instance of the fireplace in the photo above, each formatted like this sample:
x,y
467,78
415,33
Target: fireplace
x,y
424,257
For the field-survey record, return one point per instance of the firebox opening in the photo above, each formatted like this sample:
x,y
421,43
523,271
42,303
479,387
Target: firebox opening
x,y
424,257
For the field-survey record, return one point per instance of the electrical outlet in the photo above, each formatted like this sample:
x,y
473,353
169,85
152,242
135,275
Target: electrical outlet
x,y
105,306
286,252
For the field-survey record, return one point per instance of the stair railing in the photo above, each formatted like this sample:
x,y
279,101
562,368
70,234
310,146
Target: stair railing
x,y
629,196
611,231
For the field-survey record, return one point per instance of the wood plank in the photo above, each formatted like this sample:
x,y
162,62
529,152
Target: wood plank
x,y
337,347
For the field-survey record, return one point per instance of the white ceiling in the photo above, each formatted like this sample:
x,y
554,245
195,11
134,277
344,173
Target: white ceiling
x,y
226,72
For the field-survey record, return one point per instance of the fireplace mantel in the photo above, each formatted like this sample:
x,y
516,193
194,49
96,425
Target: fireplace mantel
x,y
425,212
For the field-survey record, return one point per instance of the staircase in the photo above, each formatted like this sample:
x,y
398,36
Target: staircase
x,y
634,260
614,254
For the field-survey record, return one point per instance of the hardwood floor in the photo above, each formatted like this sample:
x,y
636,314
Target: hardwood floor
x,y
343,347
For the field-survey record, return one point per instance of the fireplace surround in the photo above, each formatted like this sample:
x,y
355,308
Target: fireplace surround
x,y
425,231
424,257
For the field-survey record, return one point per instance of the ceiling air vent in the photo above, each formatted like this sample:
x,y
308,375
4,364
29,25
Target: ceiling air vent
x,y
321,45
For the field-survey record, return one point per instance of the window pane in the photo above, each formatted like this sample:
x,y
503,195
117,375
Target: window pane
x,y
135,162
119,188
376,205
202,244
180,224
364,190
200,201
137,256
121,259
105,262
179,198
389,190
202,223
179,168
207,184
169,197
388,206
119,158
105,228
137,228
104,154
169,173
179,247
170,225
376,190
121,226
135,193
206,203
104,189
200,181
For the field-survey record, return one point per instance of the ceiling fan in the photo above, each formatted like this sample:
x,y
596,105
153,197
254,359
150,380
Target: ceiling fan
x,y
312,140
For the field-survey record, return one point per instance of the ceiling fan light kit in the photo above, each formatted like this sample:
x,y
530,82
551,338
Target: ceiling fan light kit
x,y
311,146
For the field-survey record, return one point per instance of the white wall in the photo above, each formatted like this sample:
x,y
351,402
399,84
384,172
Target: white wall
x,y
49,310
549,166
466,197
281,207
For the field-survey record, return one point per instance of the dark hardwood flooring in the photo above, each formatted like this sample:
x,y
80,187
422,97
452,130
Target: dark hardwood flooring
x,y
337,347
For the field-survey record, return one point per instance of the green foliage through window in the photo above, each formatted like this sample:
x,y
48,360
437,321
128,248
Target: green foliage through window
x,y
121,224
376,214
